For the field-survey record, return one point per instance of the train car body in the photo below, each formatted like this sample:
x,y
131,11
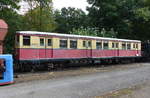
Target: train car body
x,y
36,46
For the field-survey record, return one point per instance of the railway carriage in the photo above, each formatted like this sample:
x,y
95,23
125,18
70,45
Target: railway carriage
x,y
43,46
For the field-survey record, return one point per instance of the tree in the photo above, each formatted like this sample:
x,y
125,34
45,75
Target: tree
x,y
11,4
35,21
14,21
70,18
122,15
7,4
94,32
85,31
40,16
141,22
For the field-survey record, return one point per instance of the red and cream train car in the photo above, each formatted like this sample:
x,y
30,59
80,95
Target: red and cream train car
x,y
32,45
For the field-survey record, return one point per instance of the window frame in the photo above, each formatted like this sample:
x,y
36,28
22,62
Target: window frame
x,y
117,45
123,46
100,46
113,45
128,46
66,44
137,46
43,42
104,47
89,43
25,43
134,45
51,42
73,46
84,43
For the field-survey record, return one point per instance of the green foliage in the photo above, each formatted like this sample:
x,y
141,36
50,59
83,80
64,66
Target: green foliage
x,y
143,13
11,4
125,16
30,21
69,18
38,20
94,32
40,16
14,22
85,31
7,12
111,33
40,3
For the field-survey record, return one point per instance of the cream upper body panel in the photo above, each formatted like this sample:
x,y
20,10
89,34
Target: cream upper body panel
x,y
113,43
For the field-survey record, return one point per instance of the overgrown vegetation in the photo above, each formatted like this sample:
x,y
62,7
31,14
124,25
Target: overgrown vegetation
x,y
129,18
94,32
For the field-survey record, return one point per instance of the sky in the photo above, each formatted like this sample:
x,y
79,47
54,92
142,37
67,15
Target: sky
x,y
58,4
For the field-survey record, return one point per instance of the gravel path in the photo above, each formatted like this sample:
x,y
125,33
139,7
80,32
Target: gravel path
x,y
82,86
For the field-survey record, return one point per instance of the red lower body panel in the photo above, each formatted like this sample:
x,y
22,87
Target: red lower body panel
x,y
104,53
129,53
33,54
70,53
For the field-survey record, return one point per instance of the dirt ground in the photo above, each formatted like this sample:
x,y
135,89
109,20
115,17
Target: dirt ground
x,y
138,91
74,71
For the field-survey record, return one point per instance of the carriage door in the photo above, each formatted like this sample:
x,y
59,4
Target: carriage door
x,y
117,48
42,50
89,48
49,48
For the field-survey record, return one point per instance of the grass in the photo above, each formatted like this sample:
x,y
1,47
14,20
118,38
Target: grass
x,y
119,93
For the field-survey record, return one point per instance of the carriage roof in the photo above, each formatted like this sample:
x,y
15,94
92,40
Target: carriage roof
x,y
74,36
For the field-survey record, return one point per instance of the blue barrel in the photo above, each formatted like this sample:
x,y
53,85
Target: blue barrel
x,y
8,74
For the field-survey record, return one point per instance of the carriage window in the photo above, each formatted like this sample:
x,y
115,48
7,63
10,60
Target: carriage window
x,y
117,45
128,46
106,45
113,45
73,44
89,44
26,40
63,43
136,46
98,45
124,46
84,43
49,42
41,41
